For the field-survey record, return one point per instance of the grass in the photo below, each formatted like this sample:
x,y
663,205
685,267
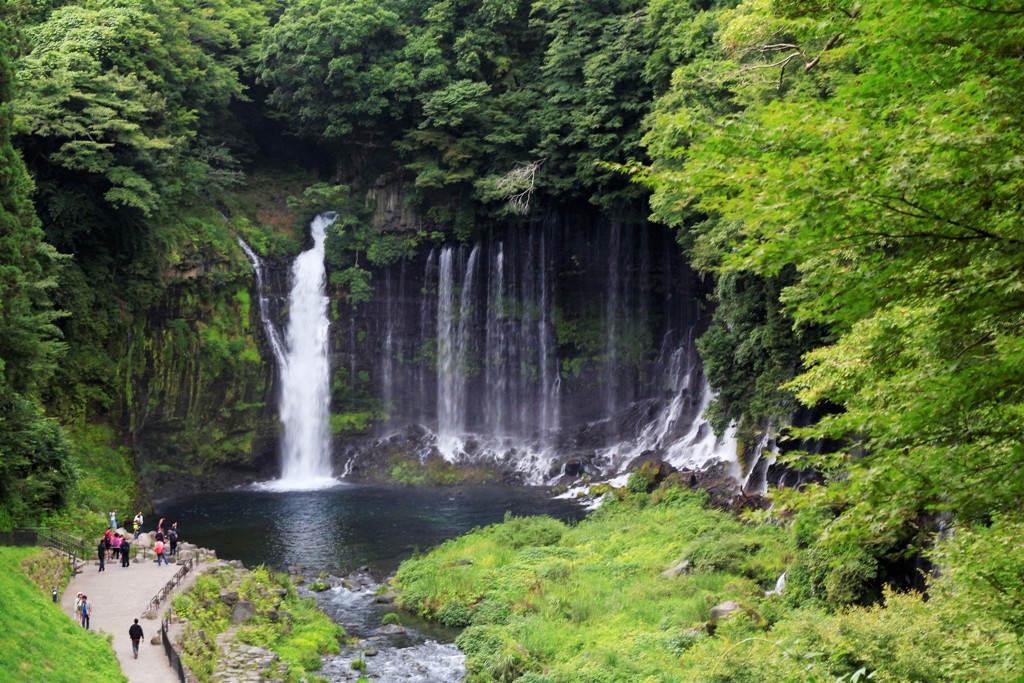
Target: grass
x,y
38,642
589,602
285,623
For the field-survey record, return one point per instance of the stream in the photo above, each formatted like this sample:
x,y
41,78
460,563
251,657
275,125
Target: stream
x,y
361,532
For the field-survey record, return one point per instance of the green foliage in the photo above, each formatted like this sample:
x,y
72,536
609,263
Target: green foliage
x,y
862,158
284,623
588,602
34,472
332,68
30,623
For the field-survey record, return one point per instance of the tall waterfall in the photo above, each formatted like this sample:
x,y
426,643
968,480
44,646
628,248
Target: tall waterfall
x,y
304,369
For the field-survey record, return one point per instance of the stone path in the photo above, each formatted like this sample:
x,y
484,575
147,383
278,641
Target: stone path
x,y
120,595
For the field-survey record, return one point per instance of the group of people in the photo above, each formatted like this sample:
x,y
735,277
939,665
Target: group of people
x,y
115,545
83,609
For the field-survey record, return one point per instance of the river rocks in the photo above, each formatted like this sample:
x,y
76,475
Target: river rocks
x,y
724,610
683,567
390,630
241,663
385,598
242,611
229,597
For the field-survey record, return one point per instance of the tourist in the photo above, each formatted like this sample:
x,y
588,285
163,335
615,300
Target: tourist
x,y
78,604
158,548
85,610
135,633
113,519
137,524
160,526
108,537
126,548
172,537
101,553
115,546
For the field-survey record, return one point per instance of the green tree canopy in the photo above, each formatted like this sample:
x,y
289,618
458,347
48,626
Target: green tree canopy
x,y
875,149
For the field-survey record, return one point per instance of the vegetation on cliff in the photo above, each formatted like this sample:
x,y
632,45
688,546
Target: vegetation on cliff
x,y
280,621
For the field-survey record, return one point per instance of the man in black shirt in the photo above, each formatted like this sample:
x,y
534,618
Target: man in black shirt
x,y
135,633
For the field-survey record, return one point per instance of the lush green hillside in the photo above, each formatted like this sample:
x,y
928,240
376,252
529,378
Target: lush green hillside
x,y
848,174
547,603
38,642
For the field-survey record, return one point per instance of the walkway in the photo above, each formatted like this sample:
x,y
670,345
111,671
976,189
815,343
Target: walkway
x,y
120,595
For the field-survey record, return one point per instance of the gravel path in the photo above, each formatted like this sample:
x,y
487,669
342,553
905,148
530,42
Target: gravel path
x,y
120,595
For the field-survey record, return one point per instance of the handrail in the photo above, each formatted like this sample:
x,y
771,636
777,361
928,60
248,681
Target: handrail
x,y
172,654
182,572
74,548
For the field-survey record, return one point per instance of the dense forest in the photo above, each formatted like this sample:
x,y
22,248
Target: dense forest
x,y
848,175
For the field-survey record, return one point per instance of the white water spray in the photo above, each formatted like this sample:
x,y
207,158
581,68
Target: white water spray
x,y
305,370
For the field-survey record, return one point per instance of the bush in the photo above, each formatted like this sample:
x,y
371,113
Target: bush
x,y
391,619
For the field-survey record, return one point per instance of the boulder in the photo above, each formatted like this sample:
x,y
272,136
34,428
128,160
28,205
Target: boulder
x,y
724,609
385,598
242,611
228,597
683,567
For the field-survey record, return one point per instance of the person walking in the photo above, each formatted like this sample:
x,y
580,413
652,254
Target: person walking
x,y
85,611
78,606
137,524
115,546
135,633
172,537
101,553
126,548
113,519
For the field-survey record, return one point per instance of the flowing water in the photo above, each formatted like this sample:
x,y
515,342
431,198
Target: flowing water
x,y
364,529
303,365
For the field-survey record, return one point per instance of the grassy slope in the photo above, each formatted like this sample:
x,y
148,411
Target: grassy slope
x,y
590,602
38,642
549,604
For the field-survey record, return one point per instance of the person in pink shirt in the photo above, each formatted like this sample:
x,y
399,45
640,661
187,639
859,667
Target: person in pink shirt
x,y
158,548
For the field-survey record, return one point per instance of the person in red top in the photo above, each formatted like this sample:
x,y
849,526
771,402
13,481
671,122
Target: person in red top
x,y
158,548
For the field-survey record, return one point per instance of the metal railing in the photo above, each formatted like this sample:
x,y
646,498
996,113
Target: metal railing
x,y
172,654
170,651
169,587
75,549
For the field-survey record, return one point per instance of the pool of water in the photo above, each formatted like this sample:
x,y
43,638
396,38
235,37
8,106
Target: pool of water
x,y
349,526
352,526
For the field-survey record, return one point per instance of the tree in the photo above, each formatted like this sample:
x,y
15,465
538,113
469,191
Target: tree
x,y
34,474
334,72
885,171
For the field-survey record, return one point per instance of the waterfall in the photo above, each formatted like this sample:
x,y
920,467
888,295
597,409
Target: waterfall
x,y
304,368
612,318
548,349
549,384
273,336
454,340
496,343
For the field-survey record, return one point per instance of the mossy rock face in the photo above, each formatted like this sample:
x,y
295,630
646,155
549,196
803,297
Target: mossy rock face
x,y
411,459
